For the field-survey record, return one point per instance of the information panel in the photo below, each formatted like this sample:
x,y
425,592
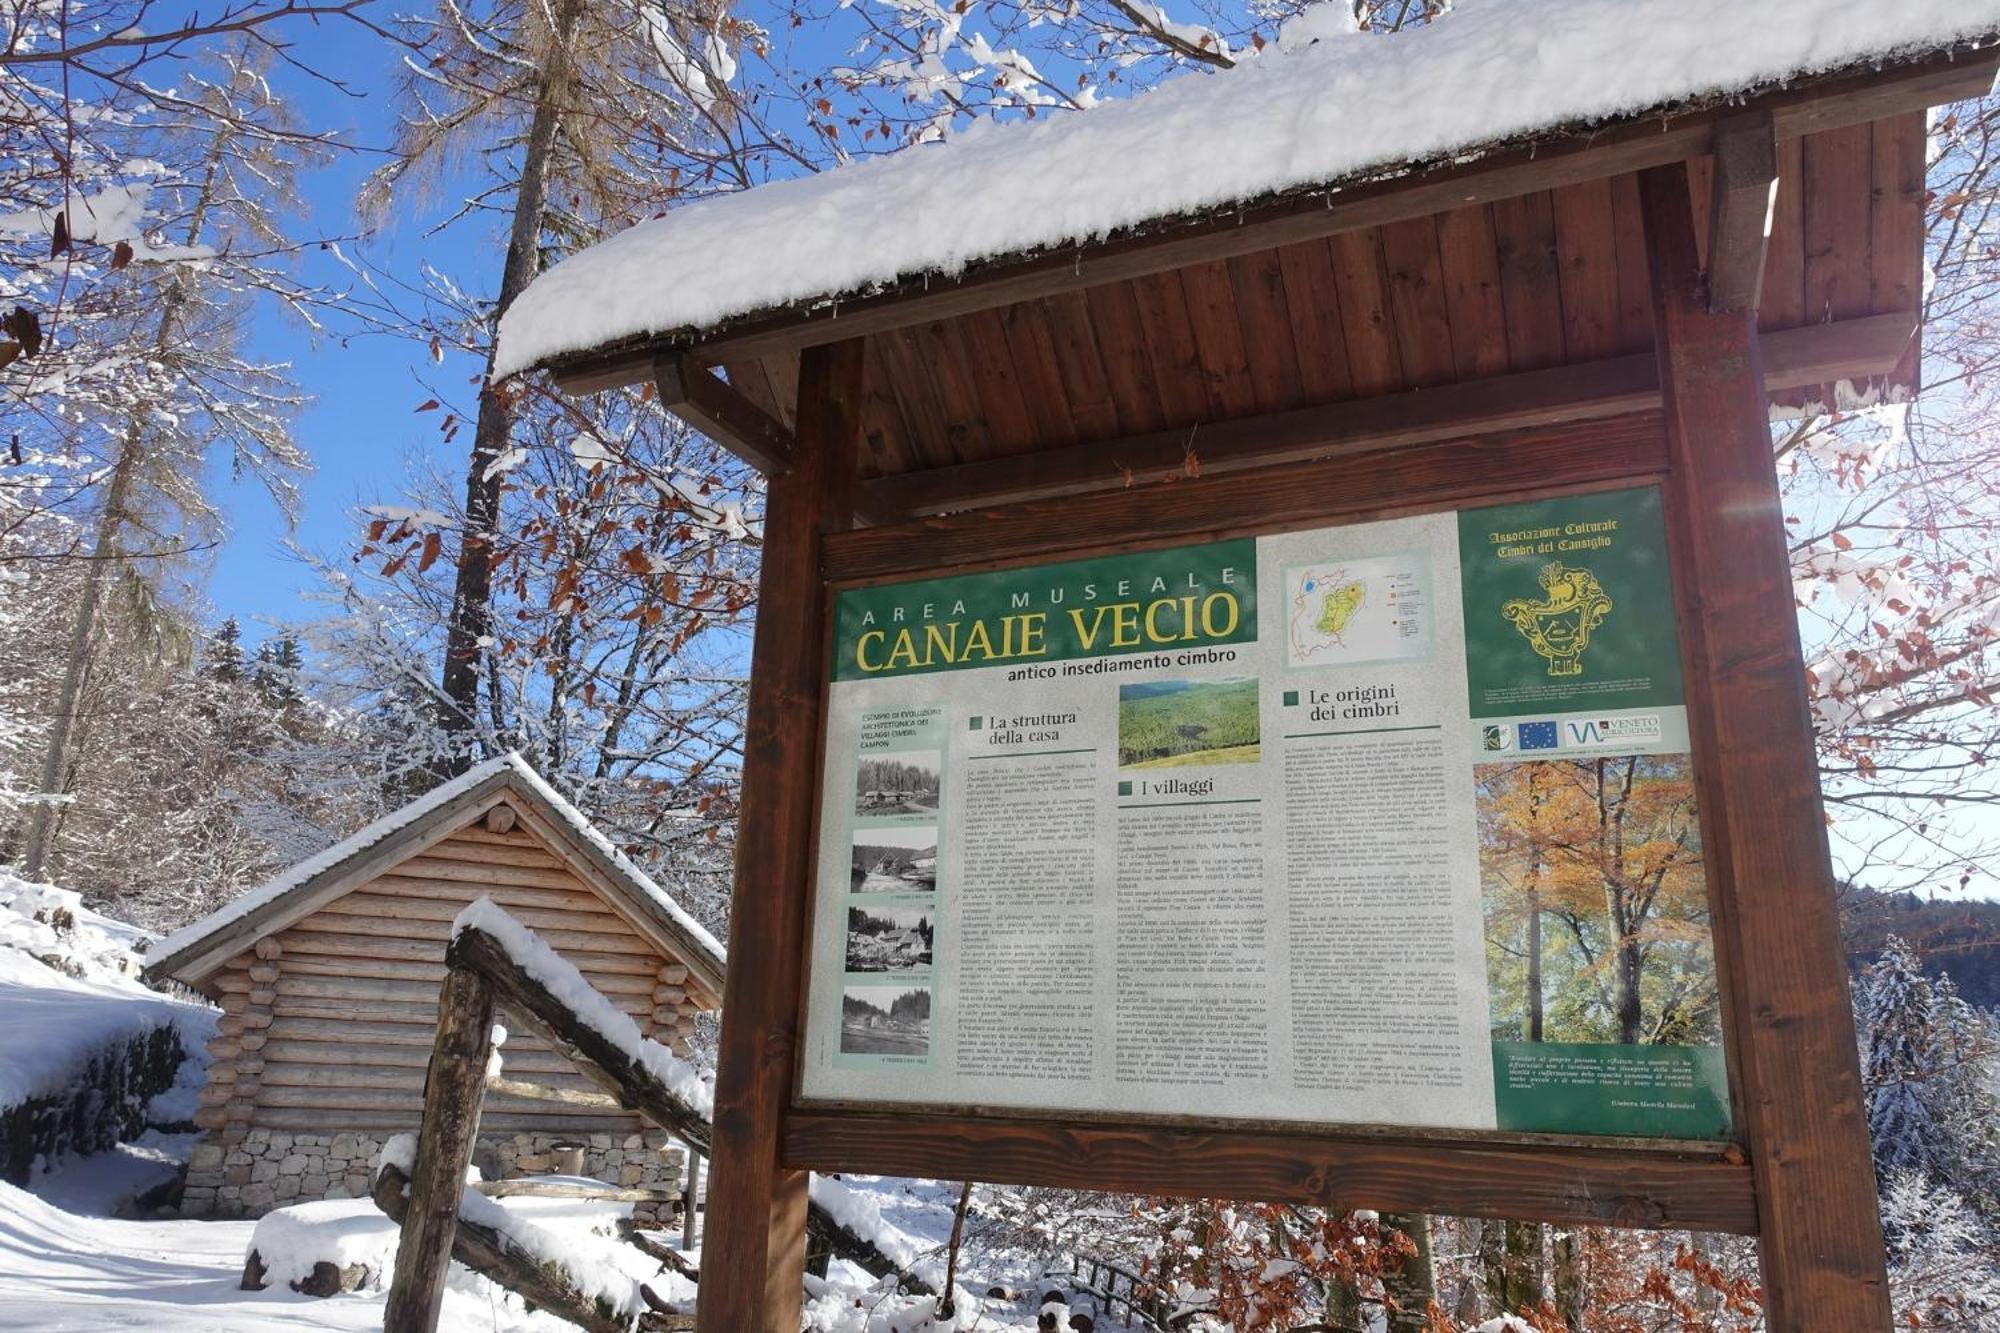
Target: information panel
x,y
1389,823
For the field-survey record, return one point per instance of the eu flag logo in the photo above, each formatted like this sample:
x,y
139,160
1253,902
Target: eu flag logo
x,y
1537,735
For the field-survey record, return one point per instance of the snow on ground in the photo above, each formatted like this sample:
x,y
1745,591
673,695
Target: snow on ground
x,y
65,1273
1303,113
101,1184
69,988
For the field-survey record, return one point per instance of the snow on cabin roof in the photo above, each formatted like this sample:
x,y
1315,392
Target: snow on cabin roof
x,y
1318,107
183,954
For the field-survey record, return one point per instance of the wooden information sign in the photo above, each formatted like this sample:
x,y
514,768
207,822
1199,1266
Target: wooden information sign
x,y
1307,705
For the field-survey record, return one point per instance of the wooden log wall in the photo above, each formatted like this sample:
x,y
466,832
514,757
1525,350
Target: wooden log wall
x,y
330,1021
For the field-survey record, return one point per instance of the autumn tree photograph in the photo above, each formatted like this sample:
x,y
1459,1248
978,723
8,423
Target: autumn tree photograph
x,y
1597,926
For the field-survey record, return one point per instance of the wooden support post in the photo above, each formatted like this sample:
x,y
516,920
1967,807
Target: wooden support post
x,y
1797,1086
1746,188
753,1274
453,1088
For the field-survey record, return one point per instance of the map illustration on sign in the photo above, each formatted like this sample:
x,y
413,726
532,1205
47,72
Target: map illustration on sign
x,y
1348,612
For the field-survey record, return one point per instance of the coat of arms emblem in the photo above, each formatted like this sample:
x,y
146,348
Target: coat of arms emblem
x,y
1559,625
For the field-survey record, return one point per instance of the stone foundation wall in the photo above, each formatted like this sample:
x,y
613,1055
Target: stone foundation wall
x,y
266,1169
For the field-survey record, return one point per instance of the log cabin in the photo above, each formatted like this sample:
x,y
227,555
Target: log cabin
x,y
328,981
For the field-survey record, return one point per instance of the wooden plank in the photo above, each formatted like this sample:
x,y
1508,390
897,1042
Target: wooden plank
x,y
504,850
989,367
1807,106
1129,370
1839,175
1739,227
1167,332
1524,231
1374,366
444,1149
1416,302
1702,1191
346,937
782,369
927,441
1258,283
697,396
443,910
425,896
487,875
1080,363
1587,269
614,973
1530,398
1471,259
1782,964
757,1205
297,987
941,346
1896,216
1783,299
1635,289
1312,300
1361,484
1038,373
1222,360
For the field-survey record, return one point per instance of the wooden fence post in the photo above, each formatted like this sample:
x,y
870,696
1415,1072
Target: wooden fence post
x,y
1798,1088
753,1260
453,1087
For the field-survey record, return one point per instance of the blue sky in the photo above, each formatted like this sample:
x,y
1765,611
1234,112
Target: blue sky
x,y
361,431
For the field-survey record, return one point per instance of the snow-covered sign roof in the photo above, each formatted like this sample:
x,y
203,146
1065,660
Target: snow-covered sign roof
x,y
196,950
1319,108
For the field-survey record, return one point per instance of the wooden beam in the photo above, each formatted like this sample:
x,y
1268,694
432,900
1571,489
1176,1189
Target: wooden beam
x,y
1785,998
1816,354
455,1082
1739,220
1348,488
757,1206
1627,1187
595,1056
1808,106
696,395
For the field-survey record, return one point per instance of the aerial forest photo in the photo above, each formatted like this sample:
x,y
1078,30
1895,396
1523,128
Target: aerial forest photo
x,y
1176,723
1597,926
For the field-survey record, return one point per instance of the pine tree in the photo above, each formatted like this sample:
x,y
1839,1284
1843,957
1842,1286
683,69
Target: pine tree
x,y
1900,1059
224,658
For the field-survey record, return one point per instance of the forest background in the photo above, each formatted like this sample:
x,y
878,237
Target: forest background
x,y
273,556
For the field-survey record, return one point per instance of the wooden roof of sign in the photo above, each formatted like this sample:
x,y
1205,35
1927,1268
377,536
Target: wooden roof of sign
x,y
1352,242
194,952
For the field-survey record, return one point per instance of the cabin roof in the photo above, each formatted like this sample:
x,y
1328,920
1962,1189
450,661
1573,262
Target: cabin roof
x,y
190,954
1317,112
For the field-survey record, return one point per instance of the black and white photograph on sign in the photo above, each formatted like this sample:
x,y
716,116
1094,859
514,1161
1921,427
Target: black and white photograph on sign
x,y
1181,723
885,1020
888,939
895,860
897,784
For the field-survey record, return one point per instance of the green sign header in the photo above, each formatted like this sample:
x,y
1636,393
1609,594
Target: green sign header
x,y
1152,601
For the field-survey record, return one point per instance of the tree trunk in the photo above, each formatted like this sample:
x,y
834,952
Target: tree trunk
x,y
1630,966
1567,1248
1343,1308
1412,1288
1524,1277
472,594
